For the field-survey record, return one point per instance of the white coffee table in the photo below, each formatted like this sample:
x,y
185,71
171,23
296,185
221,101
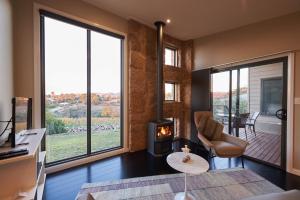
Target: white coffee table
x,y
196,165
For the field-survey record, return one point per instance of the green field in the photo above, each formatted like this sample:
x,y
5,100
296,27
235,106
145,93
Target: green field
x,y
61,146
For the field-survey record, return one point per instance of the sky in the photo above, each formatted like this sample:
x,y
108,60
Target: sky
x,y
66,60
220,81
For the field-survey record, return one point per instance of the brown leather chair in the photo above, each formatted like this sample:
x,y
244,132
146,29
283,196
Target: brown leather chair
x,y
210,133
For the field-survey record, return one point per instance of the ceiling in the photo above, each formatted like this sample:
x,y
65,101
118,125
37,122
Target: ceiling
x,y
191,19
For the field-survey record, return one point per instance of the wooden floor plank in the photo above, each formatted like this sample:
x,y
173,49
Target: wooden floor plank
x,y
263,146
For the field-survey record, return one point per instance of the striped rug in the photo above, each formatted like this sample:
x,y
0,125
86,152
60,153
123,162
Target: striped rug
x,y
229,184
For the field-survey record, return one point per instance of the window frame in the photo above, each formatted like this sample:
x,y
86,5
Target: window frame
x,y
42,14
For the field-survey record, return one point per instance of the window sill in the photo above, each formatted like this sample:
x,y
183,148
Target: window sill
x,y
169,101
172,66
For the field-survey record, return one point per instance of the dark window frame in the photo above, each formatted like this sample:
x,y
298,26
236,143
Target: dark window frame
x,y
89,28
262,90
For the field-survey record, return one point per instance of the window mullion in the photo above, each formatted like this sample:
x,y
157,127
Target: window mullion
x,y
89,92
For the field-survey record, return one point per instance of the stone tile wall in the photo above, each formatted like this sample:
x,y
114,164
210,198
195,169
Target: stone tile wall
x,y
142,83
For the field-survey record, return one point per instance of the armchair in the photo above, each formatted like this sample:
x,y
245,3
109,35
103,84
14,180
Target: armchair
x,y
210,133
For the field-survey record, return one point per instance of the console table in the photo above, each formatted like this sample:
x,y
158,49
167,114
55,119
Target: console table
x,y
23,177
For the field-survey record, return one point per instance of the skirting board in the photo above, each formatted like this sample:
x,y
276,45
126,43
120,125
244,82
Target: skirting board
x,y
82,161
295,171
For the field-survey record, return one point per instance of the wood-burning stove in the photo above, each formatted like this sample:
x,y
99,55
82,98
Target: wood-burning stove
x,y
161,131
160,137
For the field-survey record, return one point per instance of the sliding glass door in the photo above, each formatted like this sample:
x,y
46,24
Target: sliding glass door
x,y
255,95
81,88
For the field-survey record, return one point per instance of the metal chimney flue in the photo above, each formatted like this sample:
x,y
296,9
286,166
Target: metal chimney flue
x,y
161,131
159,46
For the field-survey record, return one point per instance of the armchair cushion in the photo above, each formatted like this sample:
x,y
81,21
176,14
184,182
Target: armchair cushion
x,y
210,128
201,119
218,131
226,149
234,140
205,141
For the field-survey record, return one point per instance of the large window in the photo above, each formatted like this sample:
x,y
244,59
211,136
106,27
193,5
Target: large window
x,y
271,95
171,56
81,85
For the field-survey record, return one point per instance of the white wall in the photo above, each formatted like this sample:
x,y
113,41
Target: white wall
x,y
6,59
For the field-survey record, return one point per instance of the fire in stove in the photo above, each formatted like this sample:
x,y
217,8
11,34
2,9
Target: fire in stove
x,y
164,131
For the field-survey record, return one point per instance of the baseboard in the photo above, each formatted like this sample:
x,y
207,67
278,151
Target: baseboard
x,y
295,171
74,163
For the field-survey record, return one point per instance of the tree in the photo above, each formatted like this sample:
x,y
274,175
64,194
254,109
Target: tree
x,y
95,99
54,125
106,111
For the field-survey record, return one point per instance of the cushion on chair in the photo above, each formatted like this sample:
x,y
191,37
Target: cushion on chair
x,y
202,123
218,132
226,149
201,118
210,128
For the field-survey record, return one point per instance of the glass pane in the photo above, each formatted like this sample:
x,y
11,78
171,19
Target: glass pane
x,y
264,129
65,89
271,96
244,90
169,91
170,57
234,100
220,95
234,91
105,89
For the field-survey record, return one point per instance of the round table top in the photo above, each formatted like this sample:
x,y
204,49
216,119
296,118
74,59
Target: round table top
x,y
196,165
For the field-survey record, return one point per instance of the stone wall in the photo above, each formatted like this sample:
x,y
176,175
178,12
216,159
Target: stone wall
x,y
142,83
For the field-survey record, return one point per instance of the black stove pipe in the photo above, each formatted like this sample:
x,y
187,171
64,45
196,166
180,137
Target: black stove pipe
x,y
159,87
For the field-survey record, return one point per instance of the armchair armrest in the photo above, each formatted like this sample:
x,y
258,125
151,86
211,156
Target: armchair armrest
x,y
205,141
234,140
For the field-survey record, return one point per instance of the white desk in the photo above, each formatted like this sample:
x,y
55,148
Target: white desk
x,y
20,176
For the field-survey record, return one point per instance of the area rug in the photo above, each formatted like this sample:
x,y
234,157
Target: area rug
x,y
229,184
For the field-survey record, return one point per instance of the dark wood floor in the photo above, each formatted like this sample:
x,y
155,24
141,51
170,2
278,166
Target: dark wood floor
x,y
66,184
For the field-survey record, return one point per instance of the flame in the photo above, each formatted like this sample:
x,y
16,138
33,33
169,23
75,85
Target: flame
x,y
164,131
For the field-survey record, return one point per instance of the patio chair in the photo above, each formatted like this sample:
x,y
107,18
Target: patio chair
x,y
221,113
240,122
210,133
252,120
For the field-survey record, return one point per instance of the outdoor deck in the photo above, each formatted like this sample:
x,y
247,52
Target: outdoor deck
x,y
265,146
